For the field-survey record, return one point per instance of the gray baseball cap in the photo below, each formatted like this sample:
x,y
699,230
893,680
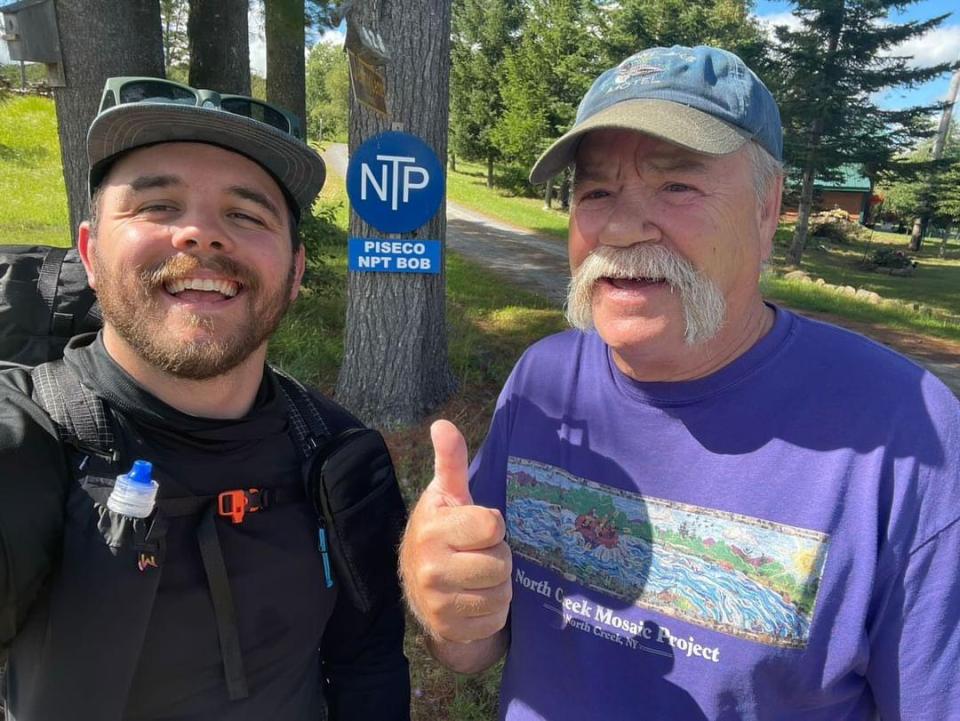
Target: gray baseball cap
x,y
701,98
296,167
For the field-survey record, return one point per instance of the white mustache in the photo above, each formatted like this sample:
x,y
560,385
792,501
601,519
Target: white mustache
x,y
704,306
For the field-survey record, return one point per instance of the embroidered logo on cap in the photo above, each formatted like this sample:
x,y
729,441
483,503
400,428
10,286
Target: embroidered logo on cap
x,y
629,70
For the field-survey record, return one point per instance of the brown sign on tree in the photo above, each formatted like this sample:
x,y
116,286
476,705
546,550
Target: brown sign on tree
x,y
369,85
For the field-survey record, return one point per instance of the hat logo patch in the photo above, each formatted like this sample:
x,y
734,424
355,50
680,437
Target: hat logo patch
x,y
628,72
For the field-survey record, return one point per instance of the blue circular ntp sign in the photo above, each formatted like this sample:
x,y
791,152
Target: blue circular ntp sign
x,y
395,182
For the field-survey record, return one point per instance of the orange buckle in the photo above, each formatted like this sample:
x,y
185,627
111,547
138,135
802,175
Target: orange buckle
x,y
237,504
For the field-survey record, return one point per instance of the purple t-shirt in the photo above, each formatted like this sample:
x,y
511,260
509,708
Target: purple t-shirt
x,y
777,541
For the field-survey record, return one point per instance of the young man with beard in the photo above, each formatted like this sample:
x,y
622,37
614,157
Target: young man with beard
x,y
221,605
696,505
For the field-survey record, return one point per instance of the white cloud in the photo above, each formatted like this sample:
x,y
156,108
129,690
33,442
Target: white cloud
x,y
940,45
333,37
782,18
258,42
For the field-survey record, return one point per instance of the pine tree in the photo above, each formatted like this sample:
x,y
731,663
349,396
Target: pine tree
x,y
547,74
918,182
482,33
832,67
727,24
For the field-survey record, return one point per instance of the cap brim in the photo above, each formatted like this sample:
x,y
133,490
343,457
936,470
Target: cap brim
x,y
297,168
674,122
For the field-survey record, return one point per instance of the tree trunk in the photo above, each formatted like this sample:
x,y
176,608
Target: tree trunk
x,y
563,193
919,230
920,224
803,216
805,207
395,368
453,162
129,41
490,171
286,66
547,194
219,46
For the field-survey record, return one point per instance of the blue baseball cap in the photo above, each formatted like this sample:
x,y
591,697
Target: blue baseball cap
x,y
700,98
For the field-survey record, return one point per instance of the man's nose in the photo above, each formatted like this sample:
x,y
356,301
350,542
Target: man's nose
x,y
630,221
201,231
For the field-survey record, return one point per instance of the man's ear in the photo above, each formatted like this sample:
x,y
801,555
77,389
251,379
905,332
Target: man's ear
x,y
85,243
299,264
769,215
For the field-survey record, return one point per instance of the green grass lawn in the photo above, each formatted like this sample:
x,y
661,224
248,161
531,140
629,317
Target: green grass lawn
x,y
32,192
935,281
468,187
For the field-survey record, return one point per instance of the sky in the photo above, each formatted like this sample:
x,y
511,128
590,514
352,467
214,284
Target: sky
x,y
258,47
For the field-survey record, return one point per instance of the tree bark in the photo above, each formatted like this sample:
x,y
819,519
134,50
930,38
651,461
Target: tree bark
x,y
490,171
286,65
548,194
129,41
395,368
803,215
453,162
919,230
219,46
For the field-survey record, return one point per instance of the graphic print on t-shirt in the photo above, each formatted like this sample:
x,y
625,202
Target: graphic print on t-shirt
x,y
738,575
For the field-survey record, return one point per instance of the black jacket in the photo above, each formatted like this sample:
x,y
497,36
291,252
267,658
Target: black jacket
x,y
162,655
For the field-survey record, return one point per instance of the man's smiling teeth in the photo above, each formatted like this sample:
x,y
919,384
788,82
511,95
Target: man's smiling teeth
x,y
223,287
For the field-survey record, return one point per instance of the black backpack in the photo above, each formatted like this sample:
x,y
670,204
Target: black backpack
x,y
44,301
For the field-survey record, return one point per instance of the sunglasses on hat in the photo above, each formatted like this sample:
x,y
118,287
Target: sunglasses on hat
x,y
123,90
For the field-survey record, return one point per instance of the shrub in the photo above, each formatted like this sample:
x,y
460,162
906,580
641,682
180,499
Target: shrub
x,y
512,177
890,258
835,225
321,236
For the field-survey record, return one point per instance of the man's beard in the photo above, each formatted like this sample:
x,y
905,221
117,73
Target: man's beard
x,y
703,304
132,306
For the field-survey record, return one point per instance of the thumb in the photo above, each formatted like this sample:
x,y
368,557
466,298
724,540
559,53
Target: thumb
x,y
450,464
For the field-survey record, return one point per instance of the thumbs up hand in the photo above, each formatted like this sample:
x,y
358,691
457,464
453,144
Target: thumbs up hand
x,y
454,561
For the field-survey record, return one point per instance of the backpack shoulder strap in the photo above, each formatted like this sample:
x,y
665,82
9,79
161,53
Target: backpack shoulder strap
x,y
79,415
49,287
49,276
307,426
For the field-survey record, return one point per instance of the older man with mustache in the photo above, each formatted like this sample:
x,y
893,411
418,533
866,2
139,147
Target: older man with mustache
x,y
695,505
